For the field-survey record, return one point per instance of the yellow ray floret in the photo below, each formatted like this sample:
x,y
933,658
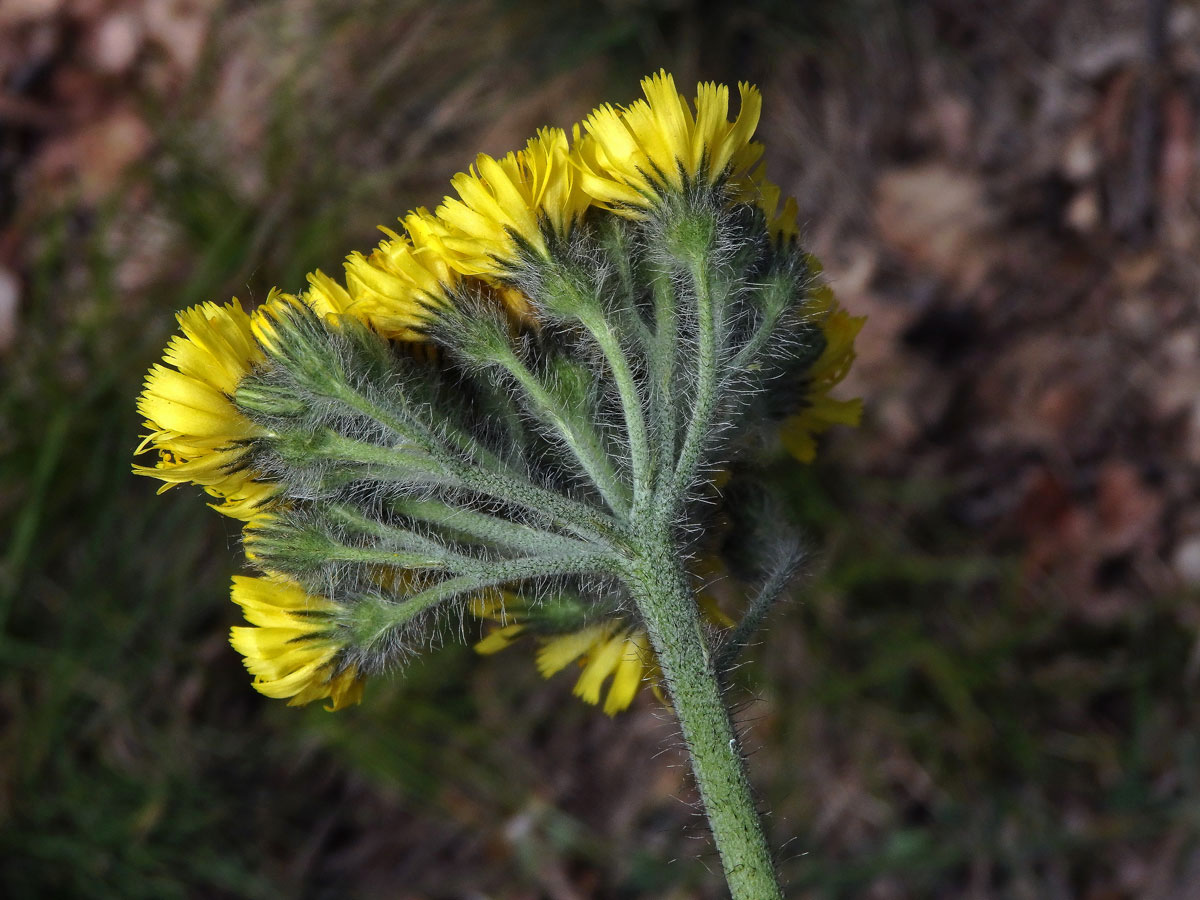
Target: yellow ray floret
x,y
400,285
624,655
290,647
327,298
198,432
820,412
603,650
265,322
608,649
630,156
505,202
611,647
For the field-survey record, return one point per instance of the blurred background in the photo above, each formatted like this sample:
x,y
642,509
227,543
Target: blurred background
x,y
986,685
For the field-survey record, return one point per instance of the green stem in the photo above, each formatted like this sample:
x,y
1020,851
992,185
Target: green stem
x,y
586,522
400,544
501,573
756,613
662,361
750,350
376,557
413,462
631,402
557,511
411,429
671,616
487,528
706,388
584,441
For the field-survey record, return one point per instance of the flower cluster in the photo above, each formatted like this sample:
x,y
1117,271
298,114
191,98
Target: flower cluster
x,y
573,291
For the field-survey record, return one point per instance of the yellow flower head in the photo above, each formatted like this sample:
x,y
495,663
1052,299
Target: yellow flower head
x,y
603,650
782,226
290,648
782,222
631,155
266,320
327,298
199,434
399,287
505,202
611,647
606,649
820,412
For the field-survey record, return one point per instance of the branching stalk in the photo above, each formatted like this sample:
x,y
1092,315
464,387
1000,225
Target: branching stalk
x,y
557,511
762,333
489,529
662,364
497,575
631,400
756,613
583,440
707,379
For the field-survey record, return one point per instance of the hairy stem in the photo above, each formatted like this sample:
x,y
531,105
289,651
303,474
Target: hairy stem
x,y
500,573
762,333
671,616
551,507
631,401
409,427
705,400
583,440
756,613
586,522
662,362
488,529
399,544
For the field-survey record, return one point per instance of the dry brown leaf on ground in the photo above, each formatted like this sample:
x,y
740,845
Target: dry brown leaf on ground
x,y
1176,177
940,219
1042,393
114,40
10,296
93,158
22,12
1128,511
